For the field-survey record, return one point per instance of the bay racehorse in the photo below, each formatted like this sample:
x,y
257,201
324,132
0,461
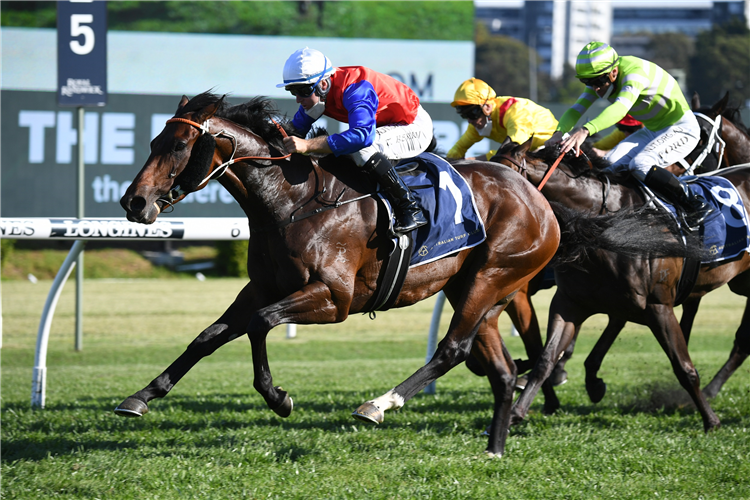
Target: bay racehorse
x,y
727,139
638,289
317,247
318,244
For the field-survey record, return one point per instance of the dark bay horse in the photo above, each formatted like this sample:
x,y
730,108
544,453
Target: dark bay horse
x,y
735,137
316,269
637,289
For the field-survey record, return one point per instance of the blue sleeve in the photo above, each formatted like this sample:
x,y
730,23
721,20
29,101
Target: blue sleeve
x,y
361,103
302,122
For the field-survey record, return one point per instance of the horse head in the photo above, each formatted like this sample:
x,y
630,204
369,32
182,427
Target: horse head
x,y
182,158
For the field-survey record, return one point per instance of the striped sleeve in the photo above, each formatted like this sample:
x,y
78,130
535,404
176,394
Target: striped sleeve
x,y
569,119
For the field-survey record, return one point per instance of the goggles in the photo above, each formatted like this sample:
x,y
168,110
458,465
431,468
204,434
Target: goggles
x,y
301,90
597,81
471,112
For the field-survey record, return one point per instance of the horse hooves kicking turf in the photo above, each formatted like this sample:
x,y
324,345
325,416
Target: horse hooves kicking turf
x,y
132,407
369,413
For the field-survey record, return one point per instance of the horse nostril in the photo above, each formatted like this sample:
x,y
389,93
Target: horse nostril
x,y
137,204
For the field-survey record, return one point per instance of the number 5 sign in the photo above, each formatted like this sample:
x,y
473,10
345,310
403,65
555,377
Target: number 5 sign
x,y
82,53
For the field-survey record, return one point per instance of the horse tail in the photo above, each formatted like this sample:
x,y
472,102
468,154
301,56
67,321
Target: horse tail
x,y
643,233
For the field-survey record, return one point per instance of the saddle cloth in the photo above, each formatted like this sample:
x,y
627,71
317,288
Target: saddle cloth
x,y
448,204
725,232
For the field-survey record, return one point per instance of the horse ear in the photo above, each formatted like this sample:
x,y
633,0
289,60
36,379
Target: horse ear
x,y
719,108
695,102
210,111
523,148
183,101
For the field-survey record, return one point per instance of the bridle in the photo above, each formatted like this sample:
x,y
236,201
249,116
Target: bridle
x,y
176,192
715,141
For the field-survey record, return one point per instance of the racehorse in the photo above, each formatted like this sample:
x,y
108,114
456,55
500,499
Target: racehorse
x,y
317,247
637,289
318,243
728,141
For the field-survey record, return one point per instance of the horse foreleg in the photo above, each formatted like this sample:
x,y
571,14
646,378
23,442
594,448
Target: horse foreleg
x,y
740,351
563,324
596,387
312,304
227,328
663,323
523,316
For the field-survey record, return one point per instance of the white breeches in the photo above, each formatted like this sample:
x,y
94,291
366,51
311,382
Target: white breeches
x,y
644,149
399,141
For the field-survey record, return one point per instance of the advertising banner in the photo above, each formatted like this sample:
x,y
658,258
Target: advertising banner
x,y
82,53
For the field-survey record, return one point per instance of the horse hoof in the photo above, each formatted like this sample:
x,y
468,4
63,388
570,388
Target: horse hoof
x,y
596,390
558,377
132,407
368,412
286,406
490,454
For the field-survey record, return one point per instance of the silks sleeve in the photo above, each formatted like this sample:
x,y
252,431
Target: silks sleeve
x,y
569,119
467,140
361,103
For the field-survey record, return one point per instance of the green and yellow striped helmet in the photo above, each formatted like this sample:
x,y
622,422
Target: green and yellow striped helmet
x,y
596,58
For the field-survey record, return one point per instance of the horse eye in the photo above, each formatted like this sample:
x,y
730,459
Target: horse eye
x,y
180,146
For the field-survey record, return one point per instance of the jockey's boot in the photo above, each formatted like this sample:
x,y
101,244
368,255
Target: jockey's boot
x,y
697,209
408,214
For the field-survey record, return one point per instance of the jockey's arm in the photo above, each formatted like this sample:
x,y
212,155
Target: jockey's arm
x,y
307,146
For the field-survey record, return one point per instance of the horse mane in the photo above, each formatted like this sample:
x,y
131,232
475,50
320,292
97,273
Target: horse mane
x,y
259,114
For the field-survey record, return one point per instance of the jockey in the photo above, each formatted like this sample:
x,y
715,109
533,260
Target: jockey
x,y
650,94
384,116
498,117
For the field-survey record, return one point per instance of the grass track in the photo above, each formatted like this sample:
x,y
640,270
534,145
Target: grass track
x,y
213,437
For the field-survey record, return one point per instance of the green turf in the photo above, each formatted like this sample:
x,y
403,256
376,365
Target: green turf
x,y
213,437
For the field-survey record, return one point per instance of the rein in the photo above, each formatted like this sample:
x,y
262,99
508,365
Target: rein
x,y
523,170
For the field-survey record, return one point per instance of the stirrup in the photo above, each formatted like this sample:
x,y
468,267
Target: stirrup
x,y
408,222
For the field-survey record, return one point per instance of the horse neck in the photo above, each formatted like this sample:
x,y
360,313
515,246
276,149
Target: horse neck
x,y
267,190
583,192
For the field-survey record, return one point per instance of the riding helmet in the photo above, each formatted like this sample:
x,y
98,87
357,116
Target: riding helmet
x,y
473,91
596,58
306,66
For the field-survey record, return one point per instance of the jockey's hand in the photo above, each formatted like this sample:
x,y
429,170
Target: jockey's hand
x,y
574,140
295,145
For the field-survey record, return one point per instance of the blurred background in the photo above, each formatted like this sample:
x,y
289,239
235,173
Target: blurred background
x,y
158,51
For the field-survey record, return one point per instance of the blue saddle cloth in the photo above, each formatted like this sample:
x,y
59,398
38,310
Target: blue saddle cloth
x,y
725,232
448,204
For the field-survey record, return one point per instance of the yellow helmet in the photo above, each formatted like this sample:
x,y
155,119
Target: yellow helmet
x,y
473,91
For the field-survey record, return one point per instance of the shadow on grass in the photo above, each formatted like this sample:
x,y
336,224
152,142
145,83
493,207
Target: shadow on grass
x,y
64,429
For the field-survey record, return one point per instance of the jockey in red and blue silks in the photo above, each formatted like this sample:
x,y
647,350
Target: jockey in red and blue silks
x,y
384,116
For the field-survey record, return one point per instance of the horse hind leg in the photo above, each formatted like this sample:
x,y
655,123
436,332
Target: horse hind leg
x,y
596,387
737,356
